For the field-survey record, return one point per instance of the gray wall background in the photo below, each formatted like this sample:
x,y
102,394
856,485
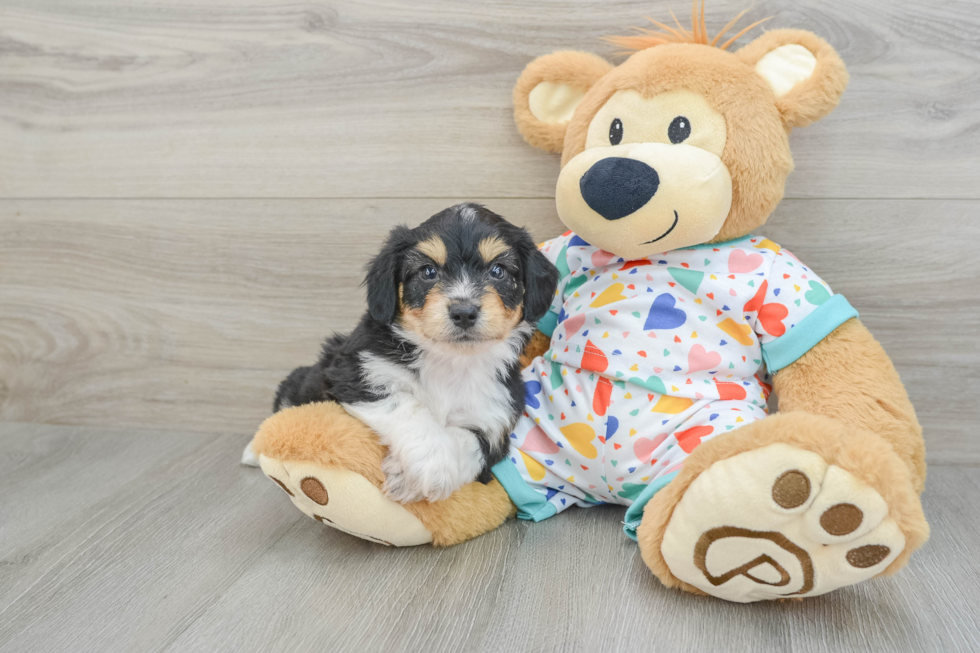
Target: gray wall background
x,y
189,191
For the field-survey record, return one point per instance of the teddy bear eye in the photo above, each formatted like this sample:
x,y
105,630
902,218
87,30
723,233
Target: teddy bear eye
x,y
616,132
679,130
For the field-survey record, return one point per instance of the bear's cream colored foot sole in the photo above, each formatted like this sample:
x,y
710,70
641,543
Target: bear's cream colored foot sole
x,y
778,522
346,501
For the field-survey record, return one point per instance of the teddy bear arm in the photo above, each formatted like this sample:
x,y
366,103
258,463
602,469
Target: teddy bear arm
x,y
848,376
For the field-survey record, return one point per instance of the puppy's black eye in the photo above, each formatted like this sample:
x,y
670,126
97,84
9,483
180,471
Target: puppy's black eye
x,y
497,272
679,130
616,132
428,272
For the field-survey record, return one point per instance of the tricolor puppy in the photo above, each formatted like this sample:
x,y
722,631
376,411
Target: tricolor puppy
x,y
433,366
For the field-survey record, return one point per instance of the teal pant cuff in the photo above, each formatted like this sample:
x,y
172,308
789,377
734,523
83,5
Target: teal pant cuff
x,y
634,514
531,504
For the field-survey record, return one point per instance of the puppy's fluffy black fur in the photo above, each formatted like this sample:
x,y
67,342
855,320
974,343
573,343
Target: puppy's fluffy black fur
x,y
529,285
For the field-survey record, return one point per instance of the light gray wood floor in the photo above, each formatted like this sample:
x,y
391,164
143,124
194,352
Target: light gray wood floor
x,y
188,193
128,540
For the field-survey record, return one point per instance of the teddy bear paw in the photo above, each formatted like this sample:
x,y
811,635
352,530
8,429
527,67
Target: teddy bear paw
x,y
779,522
346,501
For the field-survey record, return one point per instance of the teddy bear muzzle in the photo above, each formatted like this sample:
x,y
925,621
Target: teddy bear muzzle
x,y
638,199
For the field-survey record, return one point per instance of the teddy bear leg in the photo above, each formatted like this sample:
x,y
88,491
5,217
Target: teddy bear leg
x,y
329,464
790,506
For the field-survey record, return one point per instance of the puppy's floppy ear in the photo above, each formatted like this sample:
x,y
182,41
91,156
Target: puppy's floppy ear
x,y
540,280
383,275
805,73
548,91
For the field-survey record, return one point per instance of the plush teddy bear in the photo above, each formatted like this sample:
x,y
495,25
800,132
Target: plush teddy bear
x,y
647,385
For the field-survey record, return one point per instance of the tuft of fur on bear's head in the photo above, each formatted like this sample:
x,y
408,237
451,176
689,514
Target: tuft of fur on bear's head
x,y
698,34
684,142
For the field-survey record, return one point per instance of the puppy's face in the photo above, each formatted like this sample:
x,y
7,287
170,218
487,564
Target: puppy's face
x,y
461,289
467,276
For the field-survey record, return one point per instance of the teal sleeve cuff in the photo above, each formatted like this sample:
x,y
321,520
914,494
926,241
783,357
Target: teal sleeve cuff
x,y
803,337
634,514
531,504
548,323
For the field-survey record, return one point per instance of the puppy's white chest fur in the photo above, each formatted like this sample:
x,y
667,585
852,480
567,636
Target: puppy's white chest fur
x,y
466,390
428,408
462,389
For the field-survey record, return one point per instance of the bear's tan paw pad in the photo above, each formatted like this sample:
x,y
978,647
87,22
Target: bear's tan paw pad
x,y
347,502
778,522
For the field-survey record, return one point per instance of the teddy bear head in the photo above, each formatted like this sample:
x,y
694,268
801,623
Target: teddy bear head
x,y
683,143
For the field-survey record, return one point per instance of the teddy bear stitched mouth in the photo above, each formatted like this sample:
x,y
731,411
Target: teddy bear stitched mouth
x,y
661,237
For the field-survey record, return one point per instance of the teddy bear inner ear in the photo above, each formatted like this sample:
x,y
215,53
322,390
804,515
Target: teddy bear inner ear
x,y
554,103
549,90
786,67
804,72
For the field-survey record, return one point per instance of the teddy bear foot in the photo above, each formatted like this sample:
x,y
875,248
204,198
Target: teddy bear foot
x,y
330,465
347,502
786,521
779,522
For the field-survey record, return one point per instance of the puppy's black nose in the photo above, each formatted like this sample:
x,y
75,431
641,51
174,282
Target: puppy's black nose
x,y
464,314
616,187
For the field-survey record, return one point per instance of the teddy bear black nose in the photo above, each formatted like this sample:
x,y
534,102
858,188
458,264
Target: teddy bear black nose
x,y
616,187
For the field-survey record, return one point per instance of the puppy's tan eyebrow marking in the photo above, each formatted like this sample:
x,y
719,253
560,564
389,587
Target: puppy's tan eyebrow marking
x,y
492,247
434,248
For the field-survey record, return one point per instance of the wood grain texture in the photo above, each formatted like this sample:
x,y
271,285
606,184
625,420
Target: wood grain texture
x,y
186,314
367,98
137,523
179,299
169,546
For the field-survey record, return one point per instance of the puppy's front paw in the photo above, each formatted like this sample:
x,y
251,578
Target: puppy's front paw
x,y
437,475
398,485
432,477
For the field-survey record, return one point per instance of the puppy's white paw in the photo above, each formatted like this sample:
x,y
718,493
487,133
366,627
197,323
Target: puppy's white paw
x,y
441,473
398,486
433,476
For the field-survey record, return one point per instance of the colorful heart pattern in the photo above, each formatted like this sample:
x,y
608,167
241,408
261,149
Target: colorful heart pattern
x,y
573,324
700,359
603,393
740,262
537,442
663,315
643,448
651,358
817,294
610,295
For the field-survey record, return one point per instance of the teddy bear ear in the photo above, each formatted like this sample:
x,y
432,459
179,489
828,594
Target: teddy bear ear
x,y
805,73
548,91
